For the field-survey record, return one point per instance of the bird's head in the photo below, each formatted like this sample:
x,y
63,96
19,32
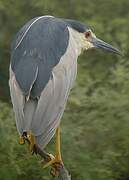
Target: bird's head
x,y
86,39
91,41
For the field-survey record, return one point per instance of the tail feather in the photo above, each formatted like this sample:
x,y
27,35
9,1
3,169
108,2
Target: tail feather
x,y
29,111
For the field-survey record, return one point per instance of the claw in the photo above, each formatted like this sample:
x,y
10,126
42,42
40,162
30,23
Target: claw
x,y
21,140
31,140
51,156
29,137
53,161
56,164
55,170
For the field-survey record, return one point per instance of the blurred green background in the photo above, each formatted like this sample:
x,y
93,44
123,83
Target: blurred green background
x,y
95,125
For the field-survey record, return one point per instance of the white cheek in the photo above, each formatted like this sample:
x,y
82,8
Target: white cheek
x,y
88,45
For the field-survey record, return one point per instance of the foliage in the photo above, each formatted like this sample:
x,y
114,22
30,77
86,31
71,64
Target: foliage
x,y
95,141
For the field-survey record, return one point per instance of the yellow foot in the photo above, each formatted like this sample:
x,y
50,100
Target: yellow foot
x,y
53,161
29,137
21,140
31,140
56,163
55,170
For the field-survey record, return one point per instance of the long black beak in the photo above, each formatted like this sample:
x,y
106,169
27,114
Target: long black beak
x,y
103,45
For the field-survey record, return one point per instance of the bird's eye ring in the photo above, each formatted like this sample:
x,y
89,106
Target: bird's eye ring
x,y
87,34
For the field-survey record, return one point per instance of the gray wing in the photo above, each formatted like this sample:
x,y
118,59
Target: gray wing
x,y
37,48
42,115
18,101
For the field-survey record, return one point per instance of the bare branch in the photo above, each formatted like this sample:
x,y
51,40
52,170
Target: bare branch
x,y
62,171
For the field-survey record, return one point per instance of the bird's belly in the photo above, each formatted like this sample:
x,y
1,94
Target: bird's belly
x,y
53,99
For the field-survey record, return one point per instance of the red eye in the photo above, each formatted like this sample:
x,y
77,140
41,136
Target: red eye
x,y
87,34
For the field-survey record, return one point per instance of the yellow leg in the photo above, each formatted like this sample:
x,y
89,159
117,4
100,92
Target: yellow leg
x,y
58,146
57,158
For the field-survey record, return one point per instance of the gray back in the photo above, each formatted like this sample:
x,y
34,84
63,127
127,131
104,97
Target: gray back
x,y
35,53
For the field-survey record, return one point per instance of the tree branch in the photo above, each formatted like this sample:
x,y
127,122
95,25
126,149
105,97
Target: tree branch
x,y
62,171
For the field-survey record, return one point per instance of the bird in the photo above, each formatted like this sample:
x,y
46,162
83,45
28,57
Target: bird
x,y
43,68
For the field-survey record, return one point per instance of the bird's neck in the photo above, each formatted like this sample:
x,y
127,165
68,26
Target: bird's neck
x,y
78,39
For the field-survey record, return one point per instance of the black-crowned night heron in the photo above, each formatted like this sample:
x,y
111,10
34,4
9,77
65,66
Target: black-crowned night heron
x,y
42,71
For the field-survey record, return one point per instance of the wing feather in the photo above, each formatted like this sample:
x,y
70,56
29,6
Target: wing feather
x,y
17,101
42,47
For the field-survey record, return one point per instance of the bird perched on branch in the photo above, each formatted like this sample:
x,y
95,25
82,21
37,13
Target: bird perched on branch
x,y
42,71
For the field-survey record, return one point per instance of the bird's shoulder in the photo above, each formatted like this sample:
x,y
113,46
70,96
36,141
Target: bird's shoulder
x,y
36,50
41,25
